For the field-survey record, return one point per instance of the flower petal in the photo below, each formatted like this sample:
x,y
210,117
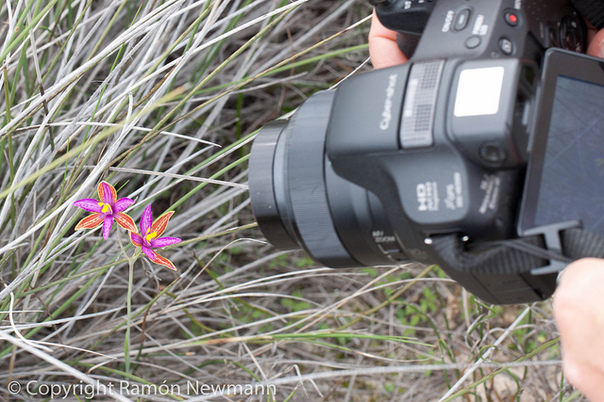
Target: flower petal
x,y
164,261
122,204
89,222
88,204
136,239
146,220
159,226
107,225
107,193
164,241
125,221
149,253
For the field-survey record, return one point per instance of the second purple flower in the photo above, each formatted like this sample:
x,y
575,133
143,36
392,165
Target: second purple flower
x,y
149,239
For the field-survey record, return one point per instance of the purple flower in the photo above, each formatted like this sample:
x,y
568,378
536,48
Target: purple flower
x,y
148,239
108,209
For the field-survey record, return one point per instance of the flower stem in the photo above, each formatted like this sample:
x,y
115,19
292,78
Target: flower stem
x,y
129,315
131,261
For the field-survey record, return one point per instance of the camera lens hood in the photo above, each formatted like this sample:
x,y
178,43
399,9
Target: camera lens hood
x,y
262,186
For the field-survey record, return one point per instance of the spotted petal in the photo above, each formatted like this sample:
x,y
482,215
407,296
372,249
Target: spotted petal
x,y
88,204
107,193
107,225
136,239
159,226
122,204
164,242
149,253
90,222
146,220
125,221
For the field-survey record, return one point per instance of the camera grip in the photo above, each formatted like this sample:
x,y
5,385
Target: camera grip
x,y
408,16
593,10
407,43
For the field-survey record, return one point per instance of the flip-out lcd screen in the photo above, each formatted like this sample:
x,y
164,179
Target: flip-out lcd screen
x,y
565,179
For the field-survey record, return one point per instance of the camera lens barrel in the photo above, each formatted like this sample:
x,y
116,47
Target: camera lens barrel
x,y
307,190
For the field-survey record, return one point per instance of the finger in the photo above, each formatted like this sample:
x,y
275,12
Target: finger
x,y
578,315
585,377
383,49
596,46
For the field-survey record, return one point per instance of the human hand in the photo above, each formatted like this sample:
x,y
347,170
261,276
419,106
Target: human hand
x,y
384,51
578,305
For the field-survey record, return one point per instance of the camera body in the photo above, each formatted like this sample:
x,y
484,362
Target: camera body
x,y
396,163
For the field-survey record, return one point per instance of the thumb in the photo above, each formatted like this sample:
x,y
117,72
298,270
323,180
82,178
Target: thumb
x,y
596,45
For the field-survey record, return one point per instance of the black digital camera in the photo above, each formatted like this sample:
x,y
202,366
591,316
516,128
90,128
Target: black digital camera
x,y
427,161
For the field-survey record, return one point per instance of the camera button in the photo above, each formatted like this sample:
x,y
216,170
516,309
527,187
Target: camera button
x,y
473,42
511,18
506,46
462,19
492,152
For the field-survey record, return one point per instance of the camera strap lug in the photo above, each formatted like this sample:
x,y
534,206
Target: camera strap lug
x,y
540,251
517,270
552,235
